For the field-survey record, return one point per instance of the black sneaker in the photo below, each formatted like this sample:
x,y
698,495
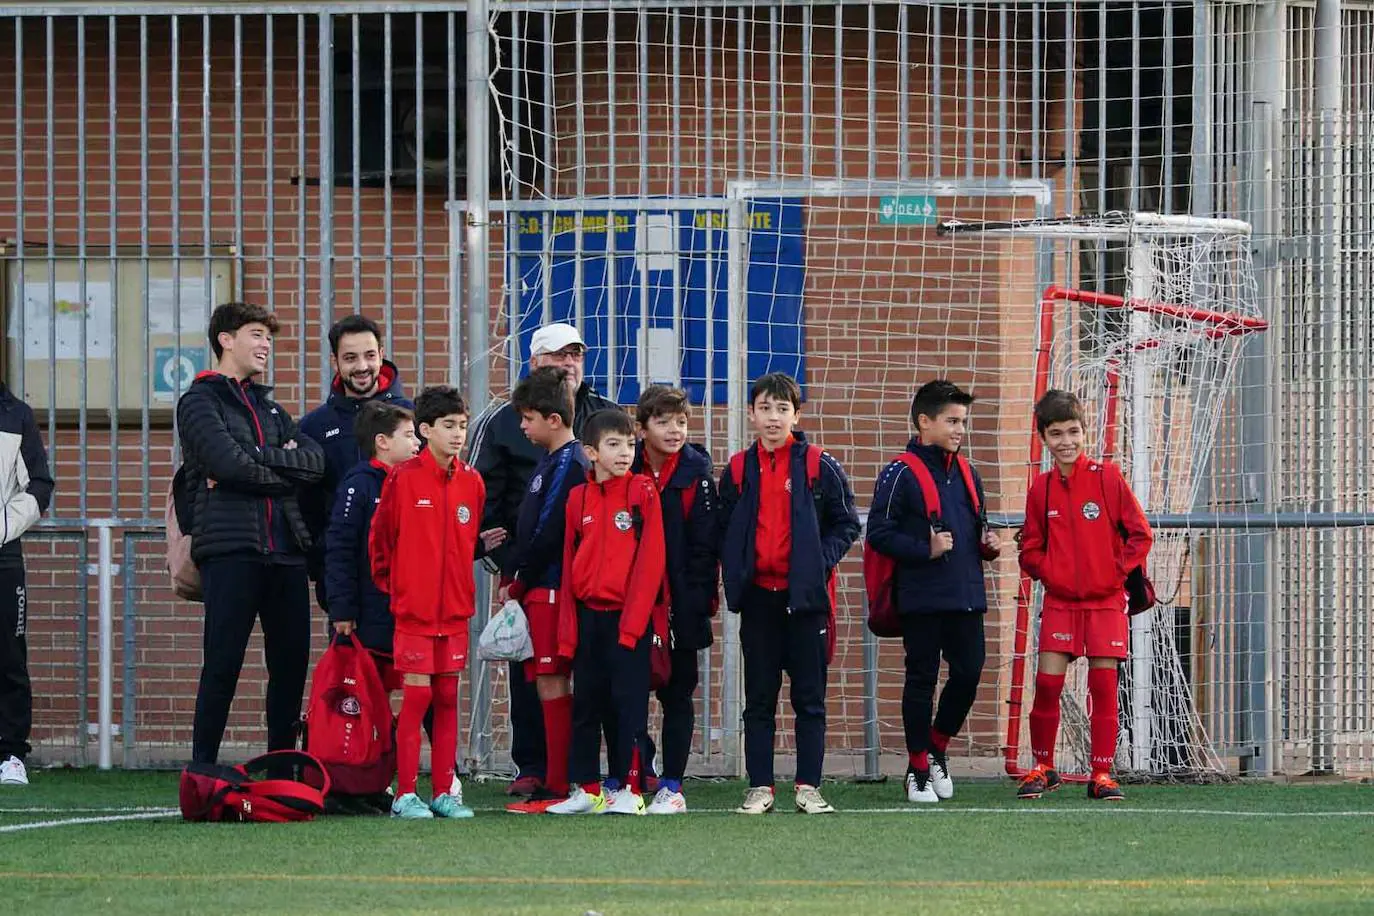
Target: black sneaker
x,y
1040,781
1103,788
918,786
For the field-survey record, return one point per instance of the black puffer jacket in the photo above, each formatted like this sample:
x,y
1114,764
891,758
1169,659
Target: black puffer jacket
x,y
244,486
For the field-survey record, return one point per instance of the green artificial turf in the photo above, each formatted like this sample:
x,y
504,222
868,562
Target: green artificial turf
x,y
1251,848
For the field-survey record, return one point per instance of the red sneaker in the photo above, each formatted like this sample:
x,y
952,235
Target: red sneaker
x,y
539,803
1103,788
525,786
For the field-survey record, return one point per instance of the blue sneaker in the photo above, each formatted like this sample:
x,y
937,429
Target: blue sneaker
x,y
447,805
409,806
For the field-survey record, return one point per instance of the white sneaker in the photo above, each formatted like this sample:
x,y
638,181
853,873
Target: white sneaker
x,y
12,772
668,802
625,801
939,776
809,801
919,788
758,800
579,802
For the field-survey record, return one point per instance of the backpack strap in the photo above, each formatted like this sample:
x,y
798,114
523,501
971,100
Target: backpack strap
x,y
737,469
813,465
966,471
930,494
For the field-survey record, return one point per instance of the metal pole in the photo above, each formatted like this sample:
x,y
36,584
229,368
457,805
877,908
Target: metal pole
x,y
478,241
326,101
1255,549
737,366
1328,92
105,571
872,747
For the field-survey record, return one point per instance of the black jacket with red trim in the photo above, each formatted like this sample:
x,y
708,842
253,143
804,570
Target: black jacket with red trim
x,y
899,527
244,486
353,596
331,425
692,544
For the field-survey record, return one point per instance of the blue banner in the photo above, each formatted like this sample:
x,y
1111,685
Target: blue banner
x,y
666,255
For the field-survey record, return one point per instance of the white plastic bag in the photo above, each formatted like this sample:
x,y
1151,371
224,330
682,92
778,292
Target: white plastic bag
x,y
506,637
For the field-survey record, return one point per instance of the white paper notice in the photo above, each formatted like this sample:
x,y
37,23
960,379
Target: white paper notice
x,y
58,310
163,305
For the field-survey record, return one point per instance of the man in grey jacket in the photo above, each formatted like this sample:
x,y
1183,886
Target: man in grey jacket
x,y
25,491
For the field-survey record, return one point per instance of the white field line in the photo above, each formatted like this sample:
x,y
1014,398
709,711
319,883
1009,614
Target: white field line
x,y
75,821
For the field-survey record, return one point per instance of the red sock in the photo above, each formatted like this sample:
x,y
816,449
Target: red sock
x,y
634,779
444,751
414,705
939,740
1044,717
1102,718
919,761
591,788
558,739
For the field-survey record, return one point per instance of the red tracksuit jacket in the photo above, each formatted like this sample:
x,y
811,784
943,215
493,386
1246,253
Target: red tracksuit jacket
x,y
607,565
1071,541
423,543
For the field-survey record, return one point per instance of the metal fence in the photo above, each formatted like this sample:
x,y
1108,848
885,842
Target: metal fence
x,y
415,161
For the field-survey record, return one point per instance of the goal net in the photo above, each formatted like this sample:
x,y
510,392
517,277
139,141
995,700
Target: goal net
x,y
711,194
1155,370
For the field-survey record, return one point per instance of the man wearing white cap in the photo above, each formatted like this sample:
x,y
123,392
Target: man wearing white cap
x,y
506,460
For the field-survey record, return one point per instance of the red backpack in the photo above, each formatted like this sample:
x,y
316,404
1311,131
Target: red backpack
x,y
274,788
348,721
880,570
813,474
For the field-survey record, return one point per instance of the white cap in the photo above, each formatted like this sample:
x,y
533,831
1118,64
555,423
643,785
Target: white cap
x,y
553,337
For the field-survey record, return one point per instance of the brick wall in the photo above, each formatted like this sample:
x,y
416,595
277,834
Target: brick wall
x,y
885,307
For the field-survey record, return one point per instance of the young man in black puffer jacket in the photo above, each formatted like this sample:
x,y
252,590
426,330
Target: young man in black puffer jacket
x,y
245,468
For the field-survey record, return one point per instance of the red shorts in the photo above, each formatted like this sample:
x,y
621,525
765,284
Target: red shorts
x,y
541,611
1086,632
430,654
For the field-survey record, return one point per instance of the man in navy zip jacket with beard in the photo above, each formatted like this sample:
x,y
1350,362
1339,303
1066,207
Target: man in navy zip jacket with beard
x,y
361,374
246,465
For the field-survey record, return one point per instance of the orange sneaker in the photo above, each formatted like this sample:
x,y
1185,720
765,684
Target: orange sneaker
x,y
539,803
1103,788
1042,780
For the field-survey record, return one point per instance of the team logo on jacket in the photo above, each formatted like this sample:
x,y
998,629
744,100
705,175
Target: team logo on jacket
x,y
349,706
787,485
1091,511
464,515
537,483
622,520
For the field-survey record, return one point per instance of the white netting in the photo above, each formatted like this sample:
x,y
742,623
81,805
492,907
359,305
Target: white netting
x,y
1155,369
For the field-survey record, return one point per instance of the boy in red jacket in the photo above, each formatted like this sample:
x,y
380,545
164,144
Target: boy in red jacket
x,y
613,562
1084,533
423,543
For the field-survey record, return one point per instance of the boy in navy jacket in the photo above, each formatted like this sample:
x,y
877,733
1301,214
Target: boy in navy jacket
x,y
533,568
941,595
386,437
681,472
788,518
